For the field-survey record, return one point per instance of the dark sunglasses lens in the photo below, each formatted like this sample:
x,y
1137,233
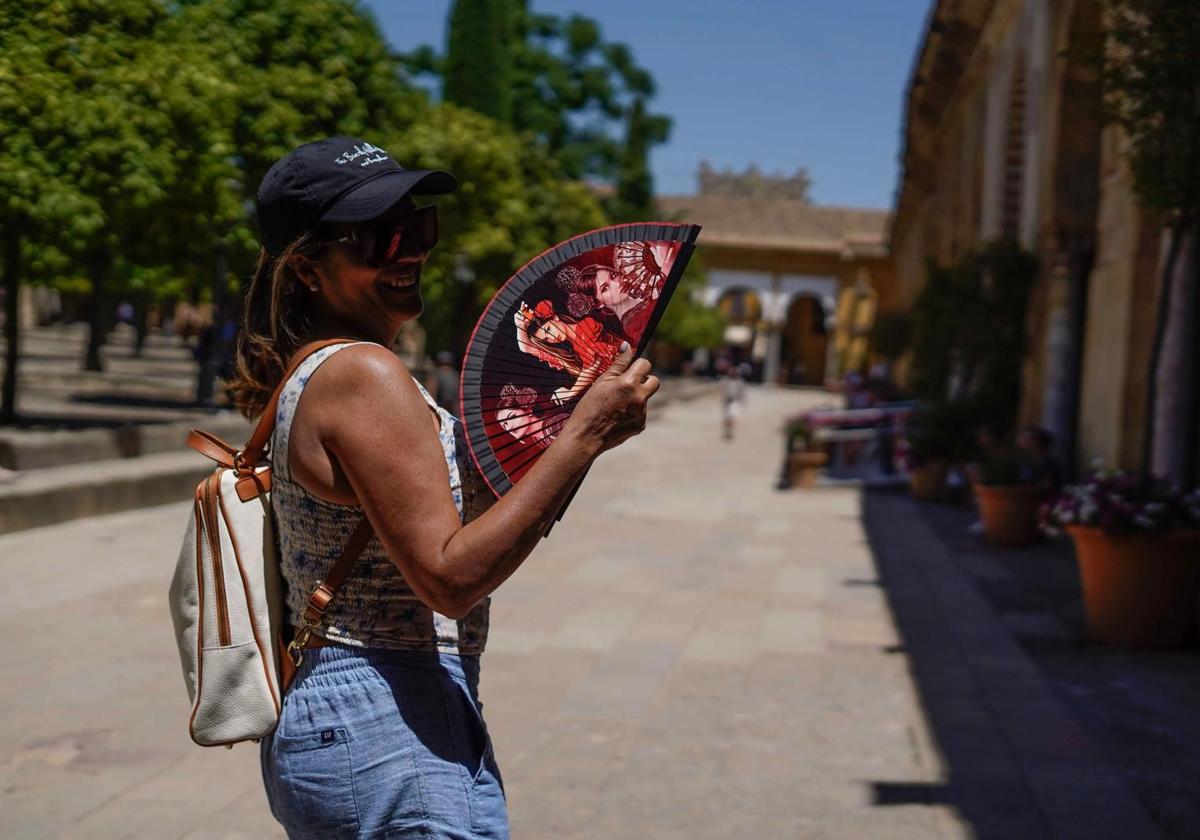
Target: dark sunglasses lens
x,y
383,242
379,243
426,227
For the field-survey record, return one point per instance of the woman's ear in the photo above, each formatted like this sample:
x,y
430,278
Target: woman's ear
x,y
306,270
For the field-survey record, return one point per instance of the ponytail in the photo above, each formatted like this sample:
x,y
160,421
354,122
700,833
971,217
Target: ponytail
x,y
276,318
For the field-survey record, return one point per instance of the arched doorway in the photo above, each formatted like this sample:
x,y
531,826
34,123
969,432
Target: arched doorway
x,y
743,312
804,342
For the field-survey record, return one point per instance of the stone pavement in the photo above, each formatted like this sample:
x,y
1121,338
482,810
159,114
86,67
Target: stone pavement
x,y
1137,706
159,385
691,654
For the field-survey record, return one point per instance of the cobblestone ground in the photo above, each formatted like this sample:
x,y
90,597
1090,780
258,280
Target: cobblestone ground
x,y
691,654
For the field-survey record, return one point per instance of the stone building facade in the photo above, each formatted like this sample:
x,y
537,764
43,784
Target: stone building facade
x,y
1003,139
798,283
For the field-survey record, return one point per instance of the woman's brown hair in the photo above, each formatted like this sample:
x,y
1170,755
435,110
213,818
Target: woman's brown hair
x,y
275,323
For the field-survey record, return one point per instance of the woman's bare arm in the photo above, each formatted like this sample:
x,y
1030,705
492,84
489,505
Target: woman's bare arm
x,y
374,423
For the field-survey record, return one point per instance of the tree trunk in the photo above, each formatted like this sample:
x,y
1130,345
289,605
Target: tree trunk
x,y
99,312
210,338
1175,370
12,325
141,321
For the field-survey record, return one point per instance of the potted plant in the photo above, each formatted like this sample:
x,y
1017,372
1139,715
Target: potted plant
x,y
1138,548
805,460
932,436
1009,488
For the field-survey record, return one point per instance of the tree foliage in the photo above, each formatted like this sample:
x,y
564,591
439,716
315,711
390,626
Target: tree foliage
x,y
568,87
968,328
1152,90
479,57
512,205
137,132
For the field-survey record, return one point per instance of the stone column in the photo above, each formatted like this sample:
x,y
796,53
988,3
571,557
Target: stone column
x,y
1058,343
1177,369
772,304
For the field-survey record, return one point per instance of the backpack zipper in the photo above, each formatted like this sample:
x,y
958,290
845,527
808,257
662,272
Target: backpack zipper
x,y
212,516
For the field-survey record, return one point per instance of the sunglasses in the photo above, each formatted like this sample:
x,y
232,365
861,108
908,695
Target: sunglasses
x,y
381,242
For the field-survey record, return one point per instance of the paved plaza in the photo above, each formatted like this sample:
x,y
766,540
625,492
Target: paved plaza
x,y
691,654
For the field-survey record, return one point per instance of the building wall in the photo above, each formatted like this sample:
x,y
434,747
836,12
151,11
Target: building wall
x,y
1016,150
1120,318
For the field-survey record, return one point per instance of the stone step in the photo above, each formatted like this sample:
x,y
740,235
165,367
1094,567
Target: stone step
x,y
109,474
58,494
33,449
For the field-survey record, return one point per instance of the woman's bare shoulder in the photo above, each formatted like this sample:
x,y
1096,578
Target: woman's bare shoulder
x,y
365,377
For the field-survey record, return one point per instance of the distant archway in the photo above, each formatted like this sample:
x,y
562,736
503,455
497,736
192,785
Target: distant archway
x,y
742,309
740,306
804,342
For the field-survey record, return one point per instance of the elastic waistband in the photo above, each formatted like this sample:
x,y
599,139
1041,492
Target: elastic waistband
x,y
338,664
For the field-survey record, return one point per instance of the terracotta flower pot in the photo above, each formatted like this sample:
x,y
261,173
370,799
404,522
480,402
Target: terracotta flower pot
x,y
1009,512
1139,589
928,480
804,468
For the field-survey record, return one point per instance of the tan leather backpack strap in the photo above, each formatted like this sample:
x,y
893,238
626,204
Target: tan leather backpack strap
x,y
318,601
256,446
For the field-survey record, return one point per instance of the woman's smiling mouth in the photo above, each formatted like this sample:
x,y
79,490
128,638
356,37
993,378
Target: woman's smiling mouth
x,y
403,275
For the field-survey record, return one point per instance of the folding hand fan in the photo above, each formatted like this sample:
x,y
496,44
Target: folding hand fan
x,y
553,328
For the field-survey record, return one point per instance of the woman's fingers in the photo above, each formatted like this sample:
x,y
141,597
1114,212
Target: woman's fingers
x,y
623,360
639,370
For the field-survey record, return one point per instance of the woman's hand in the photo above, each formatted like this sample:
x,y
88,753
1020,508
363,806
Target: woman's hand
x,y
563,395
522,315
614,408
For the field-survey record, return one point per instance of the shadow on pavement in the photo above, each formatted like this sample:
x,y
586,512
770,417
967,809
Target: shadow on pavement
x,y
1038,728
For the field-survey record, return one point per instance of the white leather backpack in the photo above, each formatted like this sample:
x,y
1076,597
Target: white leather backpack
x,y
226,597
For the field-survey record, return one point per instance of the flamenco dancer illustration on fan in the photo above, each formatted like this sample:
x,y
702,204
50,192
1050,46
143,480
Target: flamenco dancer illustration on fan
x,y
628,288
521,416
581,348
575,327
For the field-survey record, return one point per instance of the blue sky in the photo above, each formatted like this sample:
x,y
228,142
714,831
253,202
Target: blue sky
x,y
784,85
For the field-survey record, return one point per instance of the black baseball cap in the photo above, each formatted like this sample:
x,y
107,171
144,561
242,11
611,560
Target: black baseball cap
x,y
339,179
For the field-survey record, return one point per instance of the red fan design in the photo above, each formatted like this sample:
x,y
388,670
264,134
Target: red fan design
x,y
553,328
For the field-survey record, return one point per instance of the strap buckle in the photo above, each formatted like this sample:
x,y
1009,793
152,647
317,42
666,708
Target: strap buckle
x,y
295,648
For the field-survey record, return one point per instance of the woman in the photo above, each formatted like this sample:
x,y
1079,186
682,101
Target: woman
x,y
527,415
381,733
624,292
573,345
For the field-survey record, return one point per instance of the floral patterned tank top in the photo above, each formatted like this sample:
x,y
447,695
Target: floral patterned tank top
x,y
375,607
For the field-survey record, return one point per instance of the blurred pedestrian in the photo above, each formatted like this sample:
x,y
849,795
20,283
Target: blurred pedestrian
x,y
444,382
733,399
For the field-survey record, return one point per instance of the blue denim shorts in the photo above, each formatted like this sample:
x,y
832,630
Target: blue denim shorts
x,y
377,743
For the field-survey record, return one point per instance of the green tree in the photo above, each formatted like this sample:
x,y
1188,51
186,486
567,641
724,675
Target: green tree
x,y
968,334
687,323
513,204
304,69
479,56
100,132
634,197
1152,90
569,88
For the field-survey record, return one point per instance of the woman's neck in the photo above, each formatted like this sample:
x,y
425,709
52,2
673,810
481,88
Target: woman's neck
x,y
625,306
327,326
